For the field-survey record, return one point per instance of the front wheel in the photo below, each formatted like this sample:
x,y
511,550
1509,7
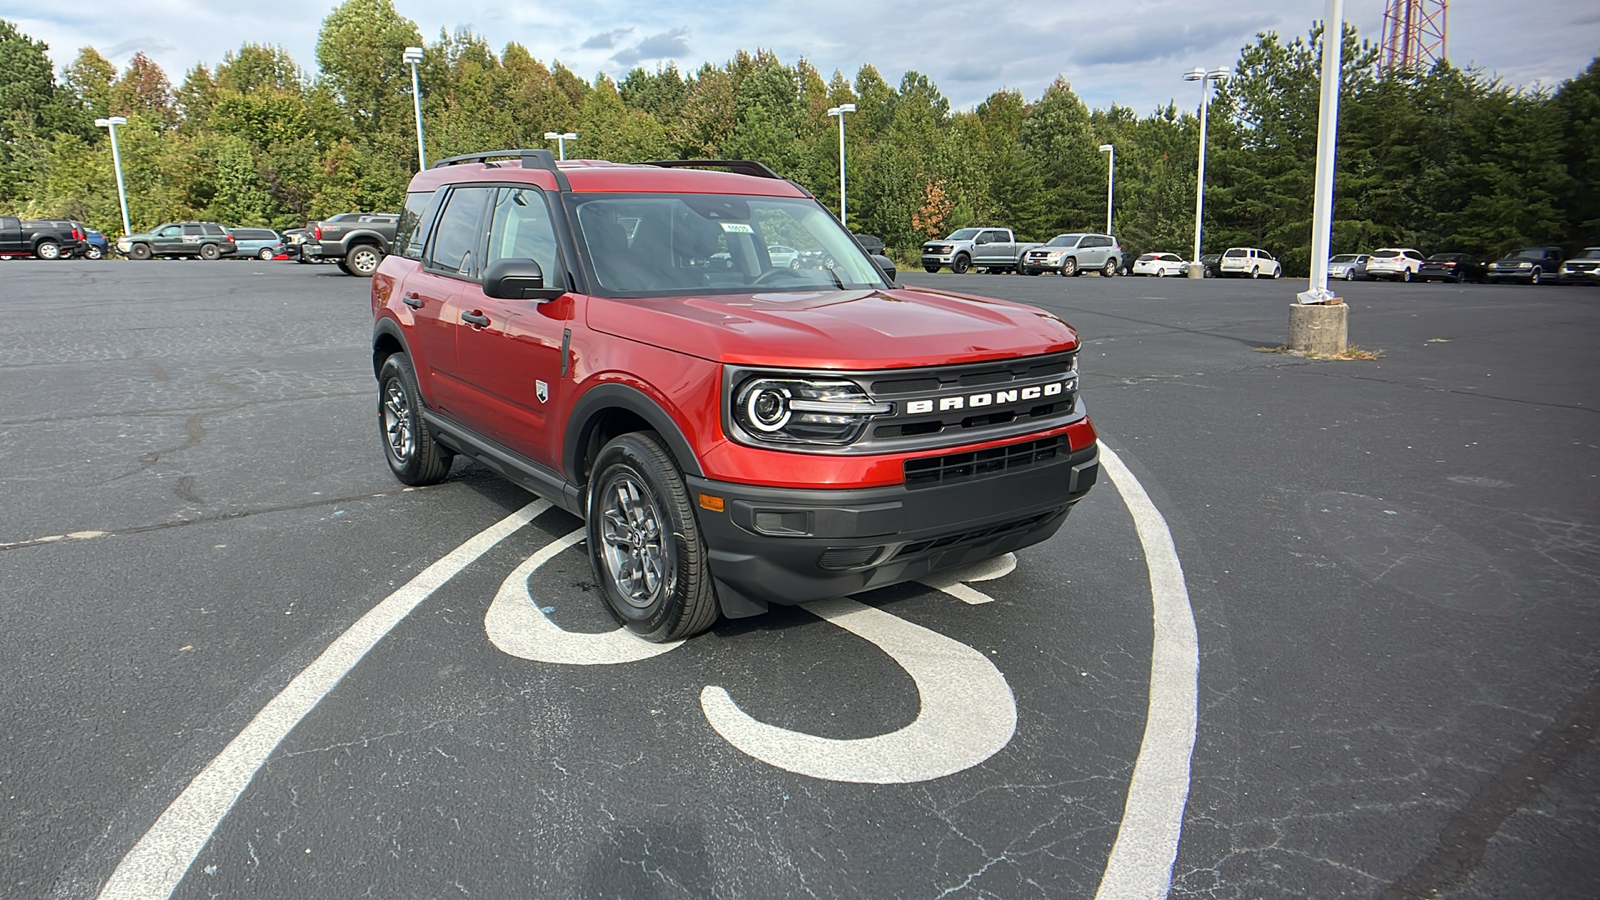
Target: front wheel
x,y
645,548
140,252
930,269
1535,277
1069,267
413,456
961,264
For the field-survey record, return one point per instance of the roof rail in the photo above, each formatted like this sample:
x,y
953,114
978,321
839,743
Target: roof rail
x,y
531,159
740,166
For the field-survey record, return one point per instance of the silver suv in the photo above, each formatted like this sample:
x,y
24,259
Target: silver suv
x,y
1074,254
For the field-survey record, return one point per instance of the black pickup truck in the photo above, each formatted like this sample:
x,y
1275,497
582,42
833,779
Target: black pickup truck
x,y
44,239
357,241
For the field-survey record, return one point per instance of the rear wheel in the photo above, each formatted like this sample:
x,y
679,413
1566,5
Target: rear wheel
x,y
413,456
93,252
1110,269
645,547
363,260
1161,273
1255,273
1069,267
139,252
1405,276
47,250
961,264
209,252
265,254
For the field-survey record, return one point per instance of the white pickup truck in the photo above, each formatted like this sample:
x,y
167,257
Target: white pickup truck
x,y
990,249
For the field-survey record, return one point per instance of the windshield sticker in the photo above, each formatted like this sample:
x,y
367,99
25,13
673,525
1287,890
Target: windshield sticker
x,y
737,228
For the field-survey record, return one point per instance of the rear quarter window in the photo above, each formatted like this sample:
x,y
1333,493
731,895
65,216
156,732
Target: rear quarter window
x,y
412,230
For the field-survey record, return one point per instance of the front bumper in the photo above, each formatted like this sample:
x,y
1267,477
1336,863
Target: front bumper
x,y
938,259
1522,275
791,545
1583,276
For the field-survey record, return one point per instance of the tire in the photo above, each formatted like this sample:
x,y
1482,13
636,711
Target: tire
x,y
1277,272
1404,277
93,253
47,250
1256,272
1069,267
363,260
343,267
210,252
413,456
1110,269
1161,273
648,556
266,254
794,263
930,269
1349,275
1461,277
961,264
140,252
1535,277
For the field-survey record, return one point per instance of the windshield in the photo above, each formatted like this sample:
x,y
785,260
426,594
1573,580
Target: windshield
x,y
1590,253
682,244
1064,240
965,234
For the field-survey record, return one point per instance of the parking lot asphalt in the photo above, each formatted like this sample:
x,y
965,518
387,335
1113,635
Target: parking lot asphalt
x,y
1391,564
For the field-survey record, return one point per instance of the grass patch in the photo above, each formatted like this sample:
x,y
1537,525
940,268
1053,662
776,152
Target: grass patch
x,y
1351,352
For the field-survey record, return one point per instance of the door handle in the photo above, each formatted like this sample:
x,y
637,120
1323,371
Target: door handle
x,y
412,300
477,319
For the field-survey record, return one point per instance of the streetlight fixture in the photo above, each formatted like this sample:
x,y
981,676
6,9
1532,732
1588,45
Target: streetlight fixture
x,y
116,159
1111,179
413,55
561,139
839,111
1204,77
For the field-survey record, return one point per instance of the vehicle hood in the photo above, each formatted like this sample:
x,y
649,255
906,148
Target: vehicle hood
x,y
836,329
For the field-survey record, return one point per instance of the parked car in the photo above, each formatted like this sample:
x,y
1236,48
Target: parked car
x,y
870,243
783,257
1394,263
1457,267
41,238
1348,266
96,245
1074,254
1583,268
989,249
207,240
356,241
1254,262
1210,263
261,243
1160,265
1530,265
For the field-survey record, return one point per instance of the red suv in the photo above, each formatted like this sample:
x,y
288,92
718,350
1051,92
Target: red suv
x,y
617,339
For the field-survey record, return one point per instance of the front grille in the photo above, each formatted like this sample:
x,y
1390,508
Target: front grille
x,y
931,471
975,536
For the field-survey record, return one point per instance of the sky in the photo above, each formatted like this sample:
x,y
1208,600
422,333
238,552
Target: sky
x,y
1128,52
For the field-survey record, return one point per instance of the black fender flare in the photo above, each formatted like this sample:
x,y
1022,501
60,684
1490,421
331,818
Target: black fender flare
x,y
613,395
386,327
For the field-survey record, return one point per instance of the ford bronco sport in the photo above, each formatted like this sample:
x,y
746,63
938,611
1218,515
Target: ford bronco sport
x,y
616,339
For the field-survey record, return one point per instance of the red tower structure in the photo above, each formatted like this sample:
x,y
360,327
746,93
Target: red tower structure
x,y
1413,34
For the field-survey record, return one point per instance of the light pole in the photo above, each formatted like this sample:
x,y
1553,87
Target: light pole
x,y
1327,133
1202,76
413,55
839,111
1111,179
116,160
561,139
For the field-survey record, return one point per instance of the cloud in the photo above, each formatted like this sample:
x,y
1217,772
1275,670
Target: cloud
x,y
969,70
1152,43
666,45
605,40
150,45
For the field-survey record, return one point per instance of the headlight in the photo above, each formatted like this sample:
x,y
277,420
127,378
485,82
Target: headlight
x,y
1524,265
799,410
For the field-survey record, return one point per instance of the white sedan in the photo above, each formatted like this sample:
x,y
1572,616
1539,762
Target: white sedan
x,y
1160,265
783,257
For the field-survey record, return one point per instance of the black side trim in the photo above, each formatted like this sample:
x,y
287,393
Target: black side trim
x,y
531,159
566,350
741,166
507,463
621,396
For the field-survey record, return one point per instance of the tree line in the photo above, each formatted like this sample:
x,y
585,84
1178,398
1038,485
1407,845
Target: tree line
x,y
1442,159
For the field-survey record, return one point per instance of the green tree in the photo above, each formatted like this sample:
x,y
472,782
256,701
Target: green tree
x,y
361,50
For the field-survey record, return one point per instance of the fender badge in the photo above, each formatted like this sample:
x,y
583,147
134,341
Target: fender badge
x,y
542,389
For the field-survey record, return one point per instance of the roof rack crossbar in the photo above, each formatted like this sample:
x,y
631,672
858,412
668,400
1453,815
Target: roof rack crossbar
x,y
740,166
531,159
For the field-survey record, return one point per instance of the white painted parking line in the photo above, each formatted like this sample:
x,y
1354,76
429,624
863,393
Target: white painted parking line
x,y
517,625
968,712
156,864
954,581
1141,860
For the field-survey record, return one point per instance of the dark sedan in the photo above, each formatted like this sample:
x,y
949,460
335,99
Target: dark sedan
x,y
1457,267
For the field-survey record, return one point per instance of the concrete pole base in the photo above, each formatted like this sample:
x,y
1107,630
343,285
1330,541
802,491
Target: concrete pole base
x,y
1197,270
1319,329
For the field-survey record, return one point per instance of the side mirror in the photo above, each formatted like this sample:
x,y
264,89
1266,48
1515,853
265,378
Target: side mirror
x,y
517,279
885,264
